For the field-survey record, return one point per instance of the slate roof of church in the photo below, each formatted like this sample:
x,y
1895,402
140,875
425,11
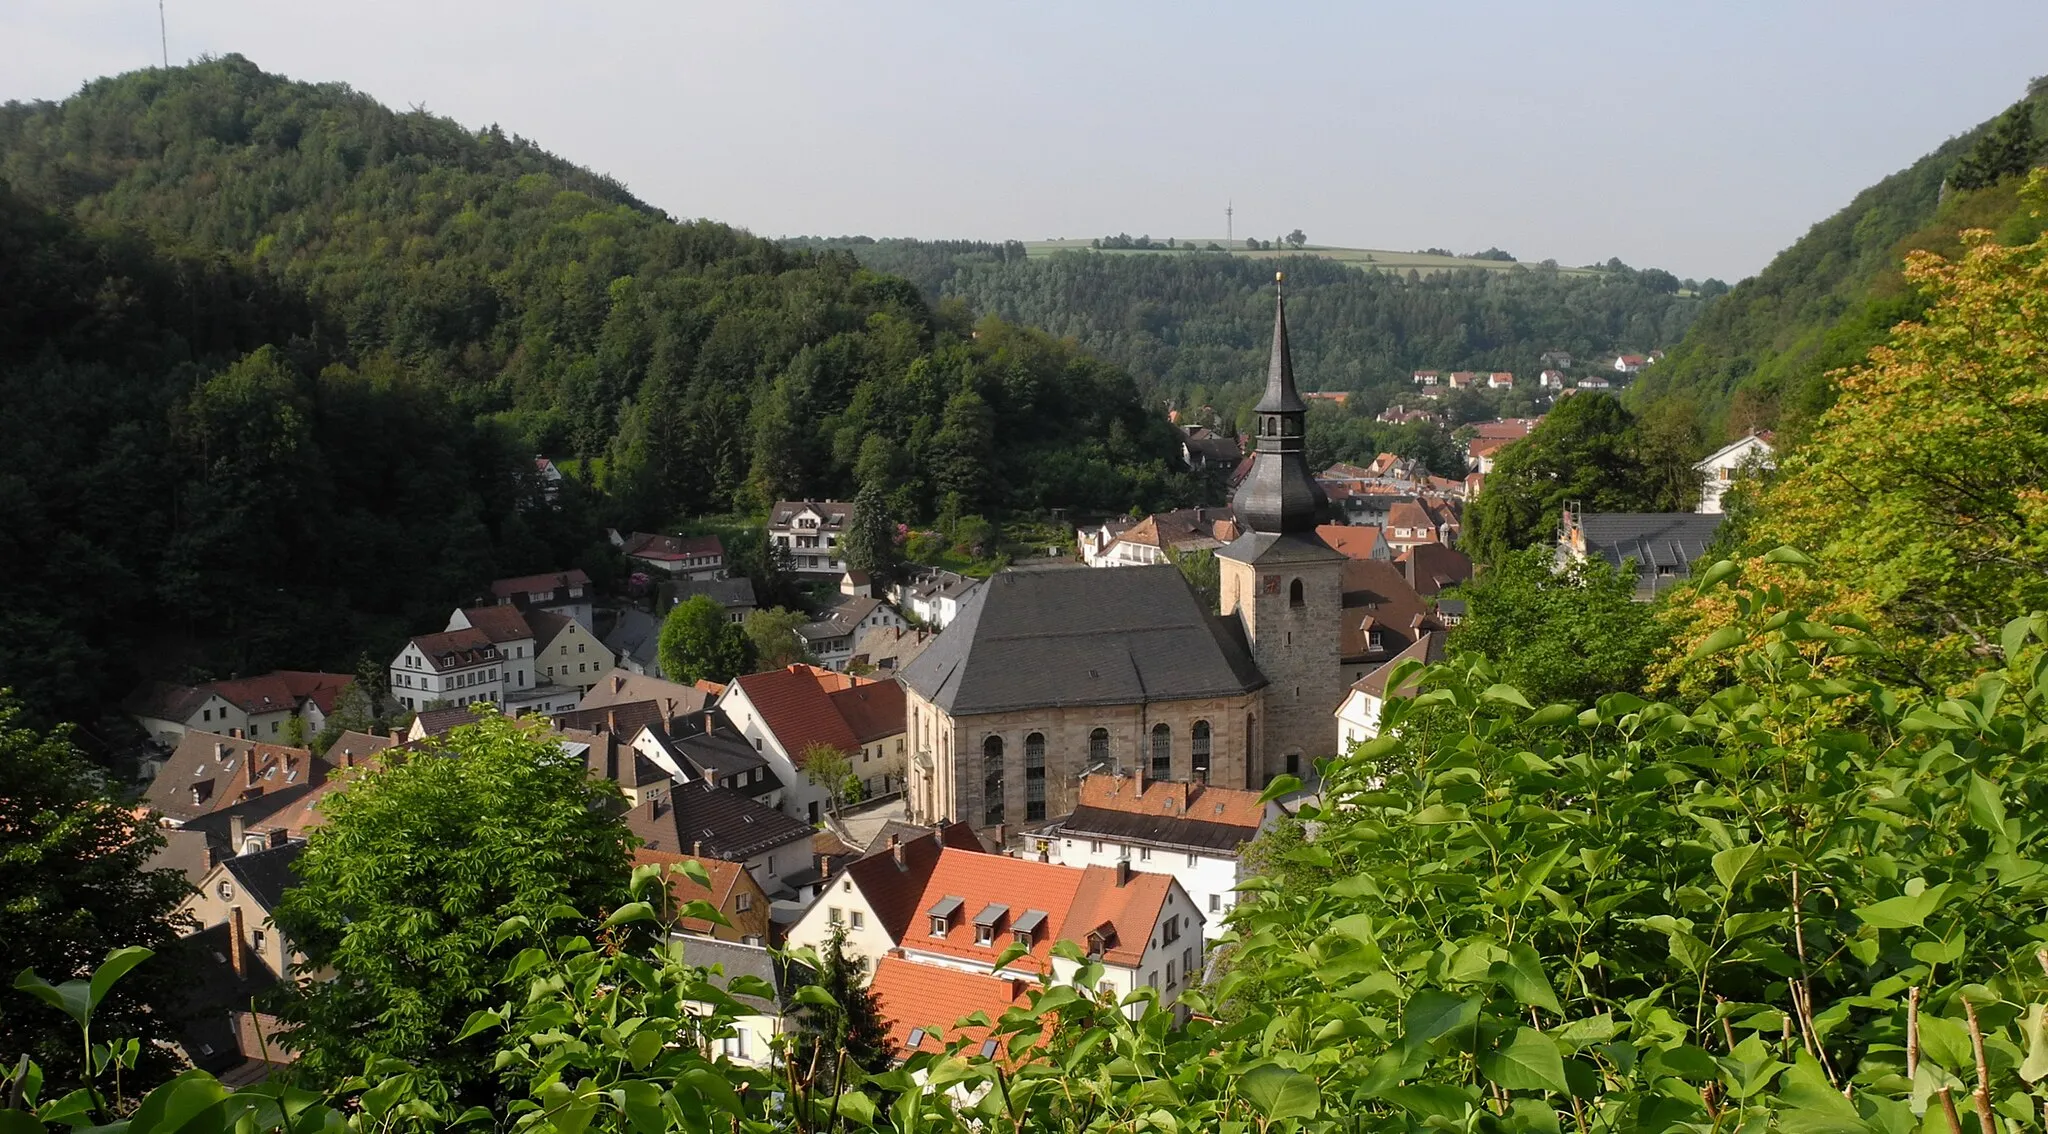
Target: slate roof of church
x,y
1039,637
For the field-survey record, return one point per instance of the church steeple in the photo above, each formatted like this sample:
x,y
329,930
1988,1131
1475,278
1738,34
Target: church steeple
x,y
1279,496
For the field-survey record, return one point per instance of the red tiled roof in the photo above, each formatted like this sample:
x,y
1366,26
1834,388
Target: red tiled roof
x,y
1377,591
1355,541
539,584
892,890
1177,799
499,623
725,877
282,690
1075,902
1510,427
932,1000
804,705
1132,909
209,772
1486,446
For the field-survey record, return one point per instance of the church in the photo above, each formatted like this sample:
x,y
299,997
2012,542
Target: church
x,y
1049,673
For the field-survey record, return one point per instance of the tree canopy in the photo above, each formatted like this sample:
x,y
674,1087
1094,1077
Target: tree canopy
x,y
1570,635
401,894
699,643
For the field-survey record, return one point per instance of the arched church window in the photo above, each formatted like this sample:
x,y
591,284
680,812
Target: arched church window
x,y
1162,751
1098,746
1198,746
1034,776
1294,594
992,780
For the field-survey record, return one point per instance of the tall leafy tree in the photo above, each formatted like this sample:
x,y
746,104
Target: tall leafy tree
x,y
850,1028
1584,453
73,886
1571,635
870,541
2009,146
699,643
403,891
772,637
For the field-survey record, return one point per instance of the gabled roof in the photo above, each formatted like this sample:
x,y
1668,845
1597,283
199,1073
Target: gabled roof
x,y
622,720
1377,596
209,772
1429,649
929,1001
1430,567
624,686
892,886
668,549
735,959
804,705
1411,515
501,623
1034,638
728,593
456,649
636,635
976,881
434,722
725,878
697,818
722,753
612,756
546,584
265,875
1356,541
833,514
1758,441
161,700
841,619
1663,544
1170,814
1508,428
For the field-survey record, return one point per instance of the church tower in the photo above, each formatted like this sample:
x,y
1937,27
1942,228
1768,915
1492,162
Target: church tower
x,y
1285,584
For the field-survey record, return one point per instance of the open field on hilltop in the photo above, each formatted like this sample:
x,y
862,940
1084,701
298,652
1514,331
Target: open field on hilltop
x,y
1422,262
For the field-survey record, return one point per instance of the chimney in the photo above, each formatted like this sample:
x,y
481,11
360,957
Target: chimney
x,y
348,757
611,721
896,850
235,954
822,864
1002,836
238,834
236,733
1123,871
1138,774
697,847
249,767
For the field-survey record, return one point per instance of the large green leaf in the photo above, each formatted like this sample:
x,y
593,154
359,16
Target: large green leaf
x,y
182,1102
1278,1092
1527,1061
1522,975
114,968
1428,1100
1433,1012
1906,911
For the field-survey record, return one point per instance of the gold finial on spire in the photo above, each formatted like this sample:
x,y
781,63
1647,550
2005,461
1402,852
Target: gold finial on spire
x,y
1279,277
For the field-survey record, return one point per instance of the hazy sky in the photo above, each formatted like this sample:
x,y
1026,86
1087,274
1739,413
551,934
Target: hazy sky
x,y
1697,137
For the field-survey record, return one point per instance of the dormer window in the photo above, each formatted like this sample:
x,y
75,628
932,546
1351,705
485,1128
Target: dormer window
x,y
987,921
1025,929
941,915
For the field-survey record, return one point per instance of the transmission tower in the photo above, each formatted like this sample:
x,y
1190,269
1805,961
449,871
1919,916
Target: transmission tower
x,y
1229,210
163,34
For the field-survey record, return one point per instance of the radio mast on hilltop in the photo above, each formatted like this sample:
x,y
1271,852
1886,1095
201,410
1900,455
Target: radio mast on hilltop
x,y
1229,235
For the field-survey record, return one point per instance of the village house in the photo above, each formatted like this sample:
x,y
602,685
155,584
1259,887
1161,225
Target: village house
x,y
1355,541
874,897
731,890
1427,377
1156,538
736,596
242,892
1142,928
684,557
1555,360
214,772
635,640
566,593
1203,448
1594,382
1432,567
884,652
810,531
1423,520
260,707
550,478
752,1037
674,700
829,638
1336,398
932,596
235,956
1551,380
1629,363
785,713
1662,546
1186,829
1719,470
926,1009
1500,380
456,667
1463,380
1358,715
1383,615
698,819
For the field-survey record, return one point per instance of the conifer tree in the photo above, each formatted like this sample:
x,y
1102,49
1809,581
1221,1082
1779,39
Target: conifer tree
x,y
852,1025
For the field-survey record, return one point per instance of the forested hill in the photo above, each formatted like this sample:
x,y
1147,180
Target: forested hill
x,y
276,357
1759,357
1194,325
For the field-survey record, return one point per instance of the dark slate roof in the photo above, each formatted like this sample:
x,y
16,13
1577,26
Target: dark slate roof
x,y
728,593
697,818
723,753
735,959
211,990
1160,830
188,850
1117,636
636,635
434,722
1663,544
267,874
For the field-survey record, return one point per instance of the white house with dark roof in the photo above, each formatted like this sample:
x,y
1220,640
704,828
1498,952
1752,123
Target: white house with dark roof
x,y
810,531
751,1038
830,637
1358,716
